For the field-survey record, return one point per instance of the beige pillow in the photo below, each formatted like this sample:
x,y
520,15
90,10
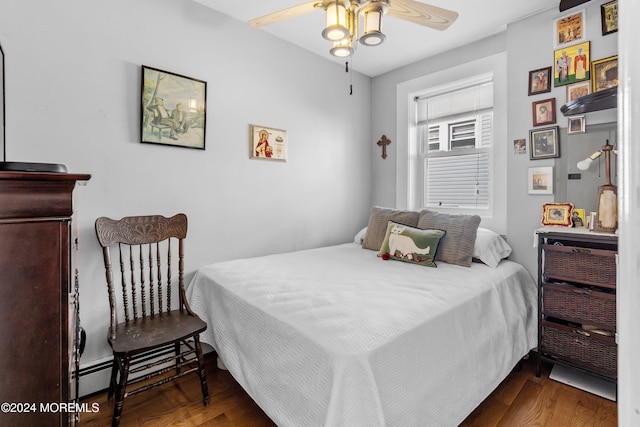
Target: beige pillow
x,y
456,247
378,220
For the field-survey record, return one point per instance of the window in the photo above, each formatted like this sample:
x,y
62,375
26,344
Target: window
x,y
455,137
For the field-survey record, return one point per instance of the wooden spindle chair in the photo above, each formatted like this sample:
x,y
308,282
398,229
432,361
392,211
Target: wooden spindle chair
x,y
155,337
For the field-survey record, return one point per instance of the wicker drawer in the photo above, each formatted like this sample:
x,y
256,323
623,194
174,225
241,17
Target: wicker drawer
x,y
589,350
579,305
581,265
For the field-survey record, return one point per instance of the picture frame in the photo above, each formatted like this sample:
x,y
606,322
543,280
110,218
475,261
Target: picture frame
x,y
578,218
609,17
540,81
557,214
267,143
173,109
544,112
576,124
571,59
544,143
605,73
540,180
578,90
520,146
569,29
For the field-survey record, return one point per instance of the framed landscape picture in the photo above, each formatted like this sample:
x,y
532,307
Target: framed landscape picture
x,y
605,73
571,64
540,180
173,109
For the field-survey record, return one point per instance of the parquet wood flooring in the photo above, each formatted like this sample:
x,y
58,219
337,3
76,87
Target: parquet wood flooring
x,y
521,400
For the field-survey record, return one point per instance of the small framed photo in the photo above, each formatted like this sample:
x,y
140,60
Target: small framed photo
x,y
544,112
558,214
578,219
540,81
609,17
173,109
605,73
571,64
544,143
578,90
520,146
576,124
540,180
268,143
570,29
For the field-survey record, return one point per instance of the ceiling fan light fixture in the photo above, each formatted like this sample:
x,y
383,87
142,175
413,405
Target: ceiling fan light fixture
x,y
372,15
336,27
342,48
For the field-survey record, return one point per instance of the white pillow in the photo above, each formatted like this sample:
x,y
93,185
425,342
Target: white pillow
x,y
360,236
490,247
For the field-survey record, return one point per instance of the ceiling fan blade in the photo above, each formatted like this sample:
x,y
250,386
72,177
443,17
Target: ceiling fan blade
x,y
281,15
422,14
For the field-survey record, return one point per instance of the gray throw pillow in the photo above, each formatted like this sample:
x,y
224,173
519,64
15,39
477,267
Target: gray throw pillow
x,y
456,247
378,220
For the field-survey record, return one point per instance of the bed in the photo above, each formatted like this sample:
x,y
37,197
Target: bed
x,y
339,336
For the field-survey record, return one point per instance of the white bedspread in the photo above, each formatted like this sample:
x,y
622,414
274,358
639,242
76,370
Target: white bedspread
x,y
336,336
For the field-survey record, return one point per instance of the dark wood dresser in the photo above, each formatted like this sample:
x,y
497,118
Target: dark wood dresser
x,y
37,330
577,272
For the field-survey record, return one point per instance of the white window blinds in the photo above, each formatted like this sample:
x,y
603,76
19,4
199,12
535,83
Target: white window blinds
x,y
456,136
458,181
456,102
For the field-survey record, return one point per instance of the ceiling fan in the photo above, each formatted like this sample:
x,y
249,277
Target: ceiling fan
x,y
343,16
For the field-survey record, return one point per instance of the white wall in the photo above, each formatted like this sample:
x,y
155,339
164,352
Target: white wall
x,y
524,211
73,73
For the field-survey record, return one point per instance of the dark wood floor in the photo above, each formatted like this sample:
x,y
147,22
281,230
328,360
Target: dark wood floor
x,y
521,400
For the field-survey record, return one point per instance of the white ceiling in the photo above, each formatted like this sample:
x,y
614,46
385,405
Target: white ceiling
x,y
406,42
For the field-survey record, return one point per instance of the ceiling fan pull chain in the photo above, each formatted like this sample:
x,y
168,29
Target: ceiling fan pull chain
x,y
350,77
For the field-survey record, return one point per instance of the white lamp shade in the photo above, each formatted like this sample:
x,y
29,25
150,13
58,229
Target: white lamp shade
x,y
341,48
372,35
336,22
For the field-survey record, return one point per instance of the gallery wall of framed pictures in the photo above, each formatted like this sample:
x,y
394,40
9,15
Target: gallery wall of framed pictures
x,y
576,68
573,68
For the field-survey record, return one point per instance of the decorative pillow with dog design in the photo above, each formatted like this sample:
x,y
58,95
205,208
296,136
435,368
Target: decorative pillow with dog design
x,y
410,244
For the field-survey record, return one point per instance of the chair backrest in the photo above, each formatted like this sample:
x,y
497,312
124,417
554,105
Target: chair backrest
x,y
144,247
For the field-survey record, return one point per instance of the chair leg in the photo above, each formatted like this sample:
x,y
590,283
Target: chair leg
x,y
112,383
178,358
121,389
201,372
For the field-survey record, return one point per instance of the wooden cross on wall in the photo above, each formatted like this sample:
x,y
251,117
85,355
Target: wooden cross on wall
x,y
383,143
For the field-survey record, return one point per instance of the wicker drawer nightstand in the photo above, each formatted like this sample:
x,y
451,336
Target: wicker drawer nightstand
x,y
577,300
